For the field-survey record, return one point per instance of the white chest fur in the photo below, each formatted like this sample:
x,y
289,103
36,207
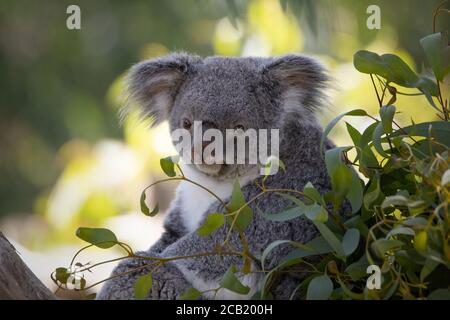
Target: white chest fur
x,y
195,201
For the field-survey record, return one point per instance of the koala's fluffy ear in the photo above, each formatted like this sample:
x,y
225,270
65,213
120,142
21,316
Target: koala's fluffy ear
x,y
302,81
153,84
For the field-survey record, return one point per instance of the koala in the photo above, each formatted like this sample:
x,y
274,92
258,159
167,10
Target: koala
x,y
281,93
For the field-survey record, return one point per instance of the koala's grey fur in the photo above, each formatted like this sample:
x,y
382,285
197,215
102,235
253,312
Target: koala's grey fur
x,y
281,92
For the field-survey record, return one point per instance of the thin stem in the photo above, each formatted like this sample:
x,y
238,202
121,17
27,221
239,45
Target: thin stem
x,y
121,244
436,13
202,254
183,178
376,91
100,263
116,276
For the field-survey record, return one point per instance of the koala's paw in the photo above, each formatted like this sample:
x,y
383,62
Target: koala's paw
x,y
168,281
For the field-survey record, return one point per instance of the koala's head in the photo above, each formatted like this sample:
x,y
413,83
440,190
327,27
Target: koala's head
x,y
227,93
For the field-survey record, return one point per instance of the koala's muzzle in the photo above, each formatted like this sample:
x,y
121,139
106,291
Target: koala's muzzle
x,y
203,150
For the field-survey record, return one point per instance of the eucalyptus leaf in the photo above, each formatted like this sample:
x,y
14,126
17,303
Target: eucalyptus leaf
x,y
168,166
213,222
311,194
332,124
350,241
100,237
285,215
330,237
439,130
232,283
237,202
354,134
319,288
429,266
145,209
377,133
381,246
400,230
437,51
439,294
387,116
190,294
316,212
143,286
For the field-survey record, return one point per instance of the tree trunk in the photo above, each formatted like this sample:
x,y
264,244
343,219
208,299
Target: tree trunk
x,y
16,279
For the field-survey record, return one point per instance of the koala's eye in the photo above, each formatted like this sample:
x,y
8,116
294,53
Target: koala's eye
x,y
186,124
239,127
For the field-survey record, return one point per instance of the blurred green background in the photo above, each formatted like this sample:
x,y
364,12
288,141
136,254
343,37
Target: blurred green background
x,y
64,159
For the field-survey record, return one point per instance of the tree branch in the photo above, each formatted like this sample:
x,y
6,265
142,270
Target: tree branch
x,y
17,281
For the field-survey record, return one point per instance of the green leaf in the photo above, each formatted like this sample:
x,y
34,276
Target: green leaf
x,y
399,71
389,66
357,223
381,246
341,180
232,283
387,116
190,294
358,269
316,213
354,134
330,126
311,194
400,230
237,201
399,200
233,13
373,191
285,215
377,133
269,249
370,63
355,192
330,237
437,51
168,165
62,274
316,246
291,198
145,209
415,221
421,241
350,241
213,222
430,89
439,294
319,288
100,237
440,130
427,86
365,155
340,174
428,268
344,180
143,286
